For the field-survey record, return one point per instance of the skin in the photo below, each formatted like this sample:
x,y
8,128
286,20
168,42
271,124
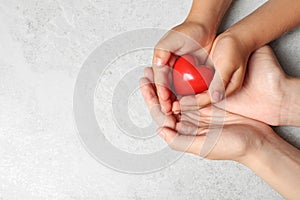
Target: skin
x,y
265,82
265,24
230,51
240,139
194,36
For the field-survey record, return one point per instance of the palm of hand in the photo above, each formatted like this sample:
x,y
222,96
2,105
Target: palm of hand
x,y
209,132
261,96
220,134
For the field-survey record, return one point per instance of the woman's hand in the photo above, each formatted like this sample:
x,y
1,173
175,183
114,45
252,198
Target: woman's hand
x,y
266,95
209,132
217,134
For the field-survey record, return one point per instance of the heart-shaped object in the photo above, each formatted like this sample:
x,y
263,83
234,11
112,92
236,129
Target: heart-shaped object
x,y
190,79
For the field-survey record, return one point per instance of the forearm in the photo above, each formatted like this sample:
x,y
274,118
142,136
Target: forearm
x,y
268,22
278,163
208,13
290,113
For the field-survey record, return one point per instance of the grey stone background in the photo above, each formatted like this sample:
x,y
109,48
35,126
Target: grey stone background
x,y
43,45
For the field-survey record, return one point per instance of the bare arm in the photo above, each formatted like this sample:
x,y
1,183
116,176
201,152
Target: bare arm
x,y
200,26
278,163
291,108
268,22
208,13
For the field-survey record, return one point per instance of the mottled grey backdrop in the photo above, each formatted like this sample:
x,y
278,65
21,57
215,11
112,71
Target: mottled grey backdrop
x,y
43,45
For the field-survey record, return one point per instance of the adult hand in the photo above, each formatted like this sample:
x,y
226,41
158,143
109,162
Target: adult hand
x,y
209,132
264,94
244,140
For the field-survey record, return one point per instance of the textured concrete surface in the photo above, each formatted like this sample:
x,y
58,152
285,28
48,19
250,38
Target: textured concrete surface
x,y
42,47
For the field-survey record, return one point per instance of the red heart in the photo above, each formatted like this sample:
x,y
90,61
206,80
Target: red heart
x,y
189,79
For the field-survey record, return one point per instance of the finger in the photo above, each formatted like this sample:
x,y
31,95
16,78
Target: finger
x,y
153,105
219,82
170,43
209,117
188,103
160,57
236,82
194,102
148,73
206,117
162,54
164,49
172,60
188,128
161,80
189,118
176,107
224,62
148,93
183,143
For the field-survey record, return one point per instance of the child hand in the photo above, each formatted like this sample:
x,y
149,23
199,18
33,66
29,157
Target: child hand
x,y
229,57
187,38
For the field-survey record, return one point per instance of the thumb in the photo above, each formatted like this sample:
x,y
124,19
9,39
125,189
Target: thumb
x,y
171,43
163,50
217,86
160,57
226,81
183,143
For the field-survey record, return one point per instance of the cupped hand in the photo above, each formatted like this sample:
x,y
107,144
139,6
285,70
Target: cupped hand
x,y
264,89
209,132
262,96
229,57
187,38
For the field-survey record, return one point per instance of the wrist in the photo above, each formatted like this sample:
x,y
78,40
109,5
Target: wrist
x,y
290,111
208,14
261,157
246,40
208,23
278,163
207,30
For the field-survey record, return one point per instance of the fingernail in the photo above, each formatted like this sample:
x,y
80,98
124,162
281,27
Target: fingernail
x,y
176,112
216,97
157,61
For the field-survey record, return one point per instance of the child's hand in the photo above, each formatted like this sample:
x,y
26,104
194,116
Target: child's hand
x,y
229,57
187,38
